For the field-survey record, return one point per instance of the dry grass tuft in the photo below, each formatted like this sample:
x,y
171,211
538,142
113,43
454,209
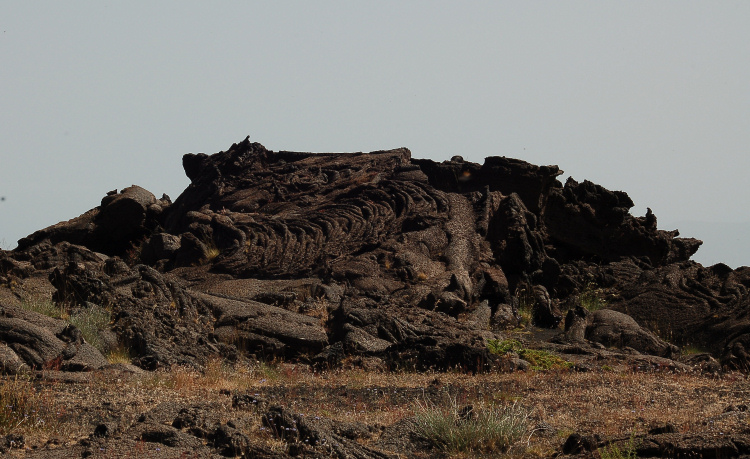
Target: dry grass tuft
x,y
45,307
211,251
26,408
471,429
120,354
318,308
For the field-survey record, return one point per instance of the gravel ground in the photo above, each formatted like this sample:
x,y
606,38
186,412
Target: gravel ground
x,y
102,414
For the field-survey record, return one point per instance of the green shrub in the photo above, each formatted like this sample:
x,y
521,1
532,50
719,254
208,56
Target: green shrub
x,y
593,298
489,429
91,321
628,450
501,347
691,349
540,360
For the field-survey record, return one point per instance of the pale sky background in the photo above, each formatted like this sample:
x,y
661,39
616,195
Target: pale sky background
x,y
648,97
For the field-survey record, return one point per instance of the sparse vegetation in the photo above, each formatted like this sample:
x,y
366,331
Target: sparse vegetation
x,y
318,308
23,407
593,297
525,299
620,451
91,321
691,349
211,251
539,359
46,307
120,354
611,402
133,254
457,429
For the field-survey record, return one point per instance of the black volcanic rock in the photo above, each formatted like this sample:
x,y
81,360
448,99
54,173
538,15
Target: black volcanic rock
x,y
405,262
112,228
586,221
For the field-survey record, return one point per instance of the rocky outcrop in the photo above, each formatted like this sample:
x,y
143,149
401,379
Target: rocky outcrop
x,y
339,439
587,221
121,220
613,329
662,442
406,262
32,341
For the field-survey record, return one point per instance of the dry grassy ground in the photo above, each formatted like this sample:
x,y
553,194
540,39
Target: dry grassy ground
x,y
614,403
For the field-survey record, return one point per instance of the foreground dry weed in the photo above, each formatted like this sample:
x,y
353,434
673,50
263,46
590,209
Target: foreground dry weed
x,y
609,403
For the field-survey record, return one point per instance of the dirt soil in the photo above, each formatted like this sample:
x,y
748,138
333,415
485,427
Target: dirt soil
x,y
124,413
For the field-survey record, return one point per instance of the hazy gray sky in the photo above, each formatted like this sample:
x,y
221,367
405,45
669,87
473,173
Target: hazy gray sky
x,y
649,97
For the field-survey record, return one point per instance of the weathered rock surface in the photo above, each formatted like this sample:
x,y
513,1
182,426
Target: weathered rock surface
x,y
405,262
613,329
339,439
29,340
666,443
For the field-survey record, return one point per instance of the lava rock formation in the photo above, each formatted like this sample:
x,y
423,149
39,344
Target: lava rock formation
x,y
372,258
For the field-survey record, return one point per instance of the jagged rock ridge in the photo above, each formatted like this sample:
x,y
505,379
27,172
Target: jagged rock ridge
x,y
378,257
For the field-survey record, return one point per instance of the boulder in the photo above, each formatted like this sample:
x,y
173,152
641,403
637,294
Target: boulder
x,y
287,332
359,341
340,437
10,362
615,329
123,215
545,312
28,345
160,246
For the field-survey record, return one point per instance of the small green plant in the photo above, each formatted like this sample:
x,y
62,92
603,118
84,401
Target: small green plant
x,y
628,450
91,320
593,298
267,371
539,359
501,347
484,430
